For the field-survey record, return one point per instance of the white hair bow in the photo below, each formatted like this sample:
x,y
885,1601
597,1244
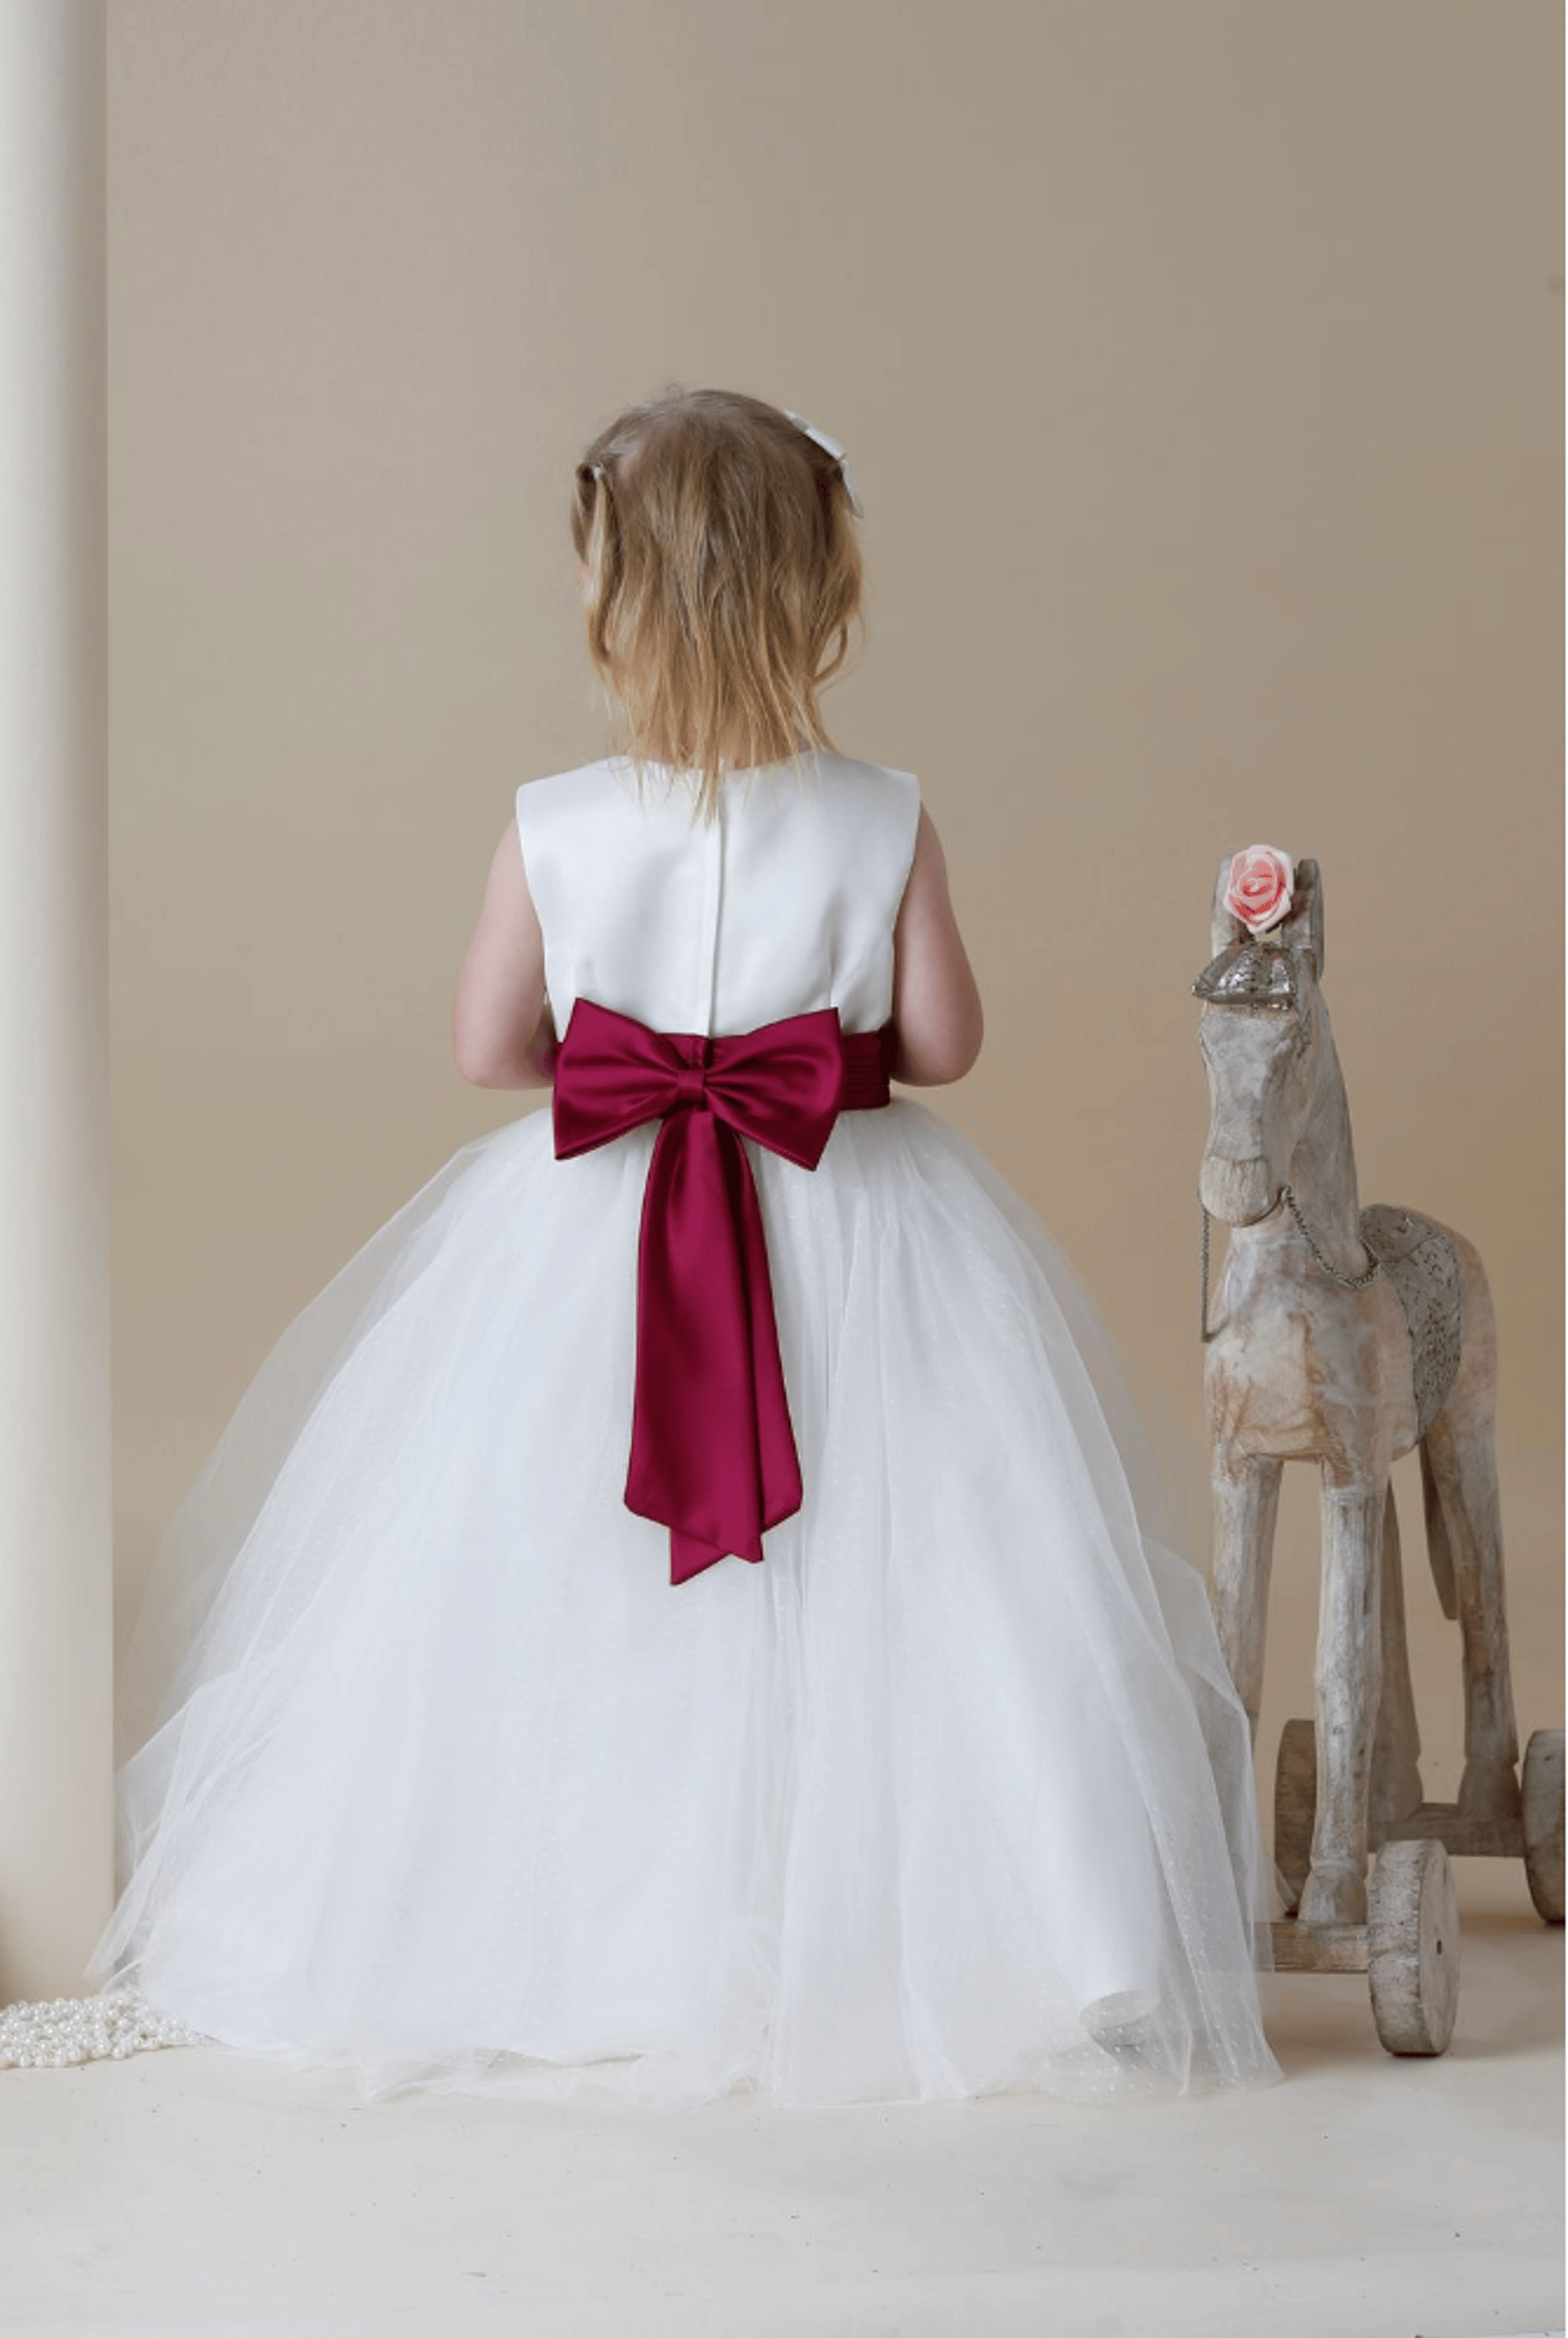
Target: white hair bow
x,y
823,441
833,448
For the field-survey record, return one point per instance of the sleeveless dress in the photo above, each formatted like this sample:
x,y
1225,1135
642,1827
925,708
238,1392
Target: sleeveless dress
x,y
429,1773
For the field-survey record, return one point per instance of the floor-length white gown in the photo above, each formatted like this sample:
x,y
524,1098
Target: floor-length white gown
x,y
428,1771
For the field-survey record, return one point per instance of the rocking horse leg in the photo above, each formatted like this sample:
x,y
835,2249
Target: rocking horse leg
x,y
1348,1680
1246,1490
1395,1789
1459,1445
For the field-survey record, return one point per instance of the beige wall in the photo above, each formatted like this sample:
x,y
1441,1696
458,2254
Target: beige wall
x,y
1200,368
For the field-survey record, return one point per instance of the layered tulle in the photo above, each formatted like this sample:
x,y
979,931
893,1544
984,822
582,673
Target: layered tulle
x,y
430,1773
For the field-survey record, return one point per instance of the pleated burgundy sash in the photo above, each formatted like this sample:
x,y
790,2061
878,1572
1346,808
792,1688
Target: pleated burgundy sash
x,y
713,1452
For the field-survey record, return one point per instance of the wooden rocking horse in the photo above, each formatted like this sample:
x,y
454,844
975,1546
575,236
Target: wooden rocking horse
x,y
1345,1336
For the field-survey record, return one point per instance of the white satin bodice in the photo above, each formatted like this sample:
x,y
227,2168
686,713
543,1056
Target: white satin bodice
x,y
786,902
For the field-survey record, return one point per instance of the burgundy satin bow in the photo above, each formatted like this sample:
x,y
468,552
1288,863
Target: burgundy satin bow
x,y
713,1452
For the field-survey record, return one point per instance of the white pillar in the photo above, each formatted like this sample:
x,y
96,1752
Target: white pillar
x,y
57,1578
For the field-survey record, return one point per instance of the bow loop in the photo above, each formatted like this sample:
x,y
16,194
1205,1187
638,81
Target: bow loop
x,y
783,1093
611,1074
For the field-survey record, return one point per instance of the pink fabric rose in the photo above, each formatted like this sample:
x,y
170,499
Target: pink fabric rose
x,y
1259,887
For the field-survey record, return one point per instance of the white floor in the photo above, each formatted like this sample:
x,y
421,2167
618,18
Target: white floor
x,y
195,2191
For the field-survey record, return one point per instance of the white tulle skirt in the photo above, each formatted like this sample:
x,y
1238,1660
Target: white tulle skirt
x,y
429,1773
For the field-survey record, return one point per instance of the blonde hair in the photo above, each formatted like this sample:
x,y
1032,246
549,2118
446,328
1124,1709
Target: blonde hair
x,y
723,573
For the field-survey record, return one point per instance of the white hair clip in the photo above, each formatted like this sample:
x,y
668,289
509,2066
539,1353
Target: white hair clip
x,y
832,447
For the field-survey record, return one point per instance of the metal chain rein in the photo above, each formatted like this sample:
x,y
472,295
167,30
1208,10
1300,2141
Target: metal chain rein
x,y
1346,1281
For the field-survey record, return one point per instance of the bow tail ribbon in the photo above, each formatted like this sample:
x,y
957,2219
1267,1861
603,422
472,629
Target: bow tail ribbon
x,y
713,1452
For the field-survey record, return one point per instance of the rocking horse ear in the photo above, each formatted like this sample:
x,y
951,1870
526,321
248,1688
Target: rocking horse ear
x,y
1305,917
1223,928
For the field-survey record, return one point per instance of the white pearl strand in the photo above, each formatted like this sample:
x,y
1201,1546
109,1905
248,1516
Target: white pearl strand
x,y
58,2030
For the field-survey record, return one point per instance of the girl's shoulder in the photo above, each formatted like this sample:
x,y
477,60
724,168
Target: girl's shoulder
x,y
852,797
874,779
875,806
558,788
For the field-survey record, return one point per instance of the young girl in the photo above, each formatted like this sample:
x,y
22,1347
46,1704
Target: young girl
x,y
683,1609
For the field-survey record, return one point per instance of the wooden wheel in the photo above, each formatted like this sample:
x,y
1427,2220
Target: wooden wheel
x,y
1541,1785
1295,1809
1413,1935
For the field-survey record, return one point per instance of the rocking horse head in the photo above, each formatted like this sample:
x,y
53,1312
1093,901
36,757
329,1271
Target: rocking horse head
x,y
1262,1029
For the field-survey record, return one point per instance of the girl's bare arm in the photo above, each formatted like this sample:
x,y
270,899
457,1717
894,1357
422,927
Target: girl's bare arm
x,y
936,1011
501,1030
